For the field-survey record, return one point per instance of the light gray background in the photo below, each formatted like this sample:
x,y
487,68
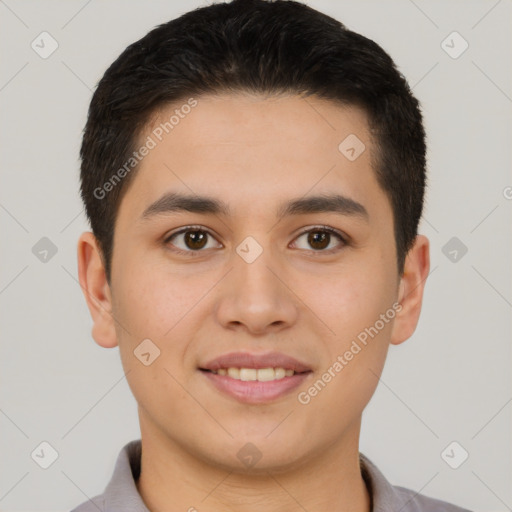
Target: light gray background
x,y
450,382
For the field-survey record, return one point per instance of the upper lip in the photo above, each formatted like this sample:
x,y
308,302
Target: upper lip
x,y
248,360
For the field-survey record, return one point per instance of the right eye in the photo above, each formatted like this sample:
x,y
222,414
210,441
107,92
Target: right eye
x,y
194,239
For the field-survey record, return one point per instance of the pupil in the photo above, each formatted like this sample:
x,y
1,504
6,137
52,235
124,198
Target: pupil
x,y
318,236
195,239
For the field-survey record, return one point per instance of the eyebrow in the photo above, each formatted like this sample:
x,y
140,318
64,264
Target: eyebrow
x,y
325,203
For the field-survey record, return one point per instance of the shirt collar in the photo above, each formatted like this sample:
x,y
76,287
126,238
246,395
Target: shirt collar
x,y
121,493
384,497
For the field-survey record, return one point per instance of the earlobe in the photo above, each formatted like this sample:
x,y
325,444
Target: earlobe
x,y
412,285
94,284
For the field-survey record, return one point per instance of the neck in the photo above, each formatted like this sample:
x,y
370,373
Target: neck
x,y
172,479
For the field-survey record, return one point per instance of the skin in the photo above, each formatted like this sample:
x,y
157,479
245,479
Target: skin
x,y
253,153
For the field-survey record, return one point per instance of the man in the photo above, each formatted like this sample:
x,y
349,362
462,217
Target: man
x,y
254,176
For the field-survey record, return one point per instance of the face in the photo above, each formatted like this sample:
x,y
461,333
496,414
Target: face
x,y
252,272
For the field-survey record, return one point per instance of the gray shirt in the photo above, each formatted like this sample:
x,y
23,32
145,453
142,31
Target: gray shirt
x,y
121,494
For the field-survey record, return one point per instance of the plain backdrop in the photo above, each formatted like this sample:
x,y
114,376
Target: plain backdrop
x,y
451,381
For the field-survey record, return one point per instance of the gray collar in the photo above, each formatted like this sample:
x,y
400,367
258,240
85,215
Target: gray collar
x,y
121,494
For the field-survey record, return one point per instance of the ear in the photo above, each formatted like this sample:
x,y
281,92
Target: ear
x,y
412,284
94,284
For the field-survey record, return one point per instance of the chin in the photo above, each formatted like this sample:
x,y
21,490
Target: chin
x,y
259,453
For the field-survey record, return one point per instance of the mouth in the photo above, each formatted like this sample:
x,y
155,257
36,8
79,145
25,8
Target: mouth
x,y
255,379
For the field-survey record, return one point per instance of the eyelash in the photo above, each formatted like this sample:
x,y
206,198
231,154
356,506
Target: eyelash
x,y
342,238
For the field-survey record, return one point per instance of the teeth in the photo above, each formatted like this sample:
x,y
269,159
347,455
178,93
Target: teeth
x,y
266,374
248,374
280,373
234,373
253,374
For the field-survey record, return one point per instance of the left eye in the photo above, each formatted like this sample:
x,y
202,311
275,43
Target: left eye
x,y
320,239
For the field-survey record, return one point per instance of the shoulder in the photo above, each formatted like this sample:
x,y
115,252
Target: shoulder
x,y
121,493
95,504
415,502
392,498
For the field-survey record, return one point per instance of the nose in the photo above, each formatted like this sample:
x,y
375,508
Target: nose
x,y
256,296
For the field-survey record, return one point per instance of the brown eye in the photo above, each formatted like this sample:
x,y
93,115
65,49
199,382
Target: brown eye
x,y
190,240
195,239
320,240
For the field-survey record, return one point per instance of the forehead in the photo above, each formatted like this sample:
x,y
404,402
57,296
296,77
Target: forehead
x,y
255,120
241,146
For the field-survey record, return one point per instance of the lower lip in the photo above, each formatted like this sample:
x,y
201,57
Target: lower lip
x,y
255,392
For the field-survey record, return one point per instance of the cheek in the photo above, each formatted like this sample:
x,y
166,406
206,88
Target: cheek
x,y
359,309
153,301
357,352
353,299
150,306
144,313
